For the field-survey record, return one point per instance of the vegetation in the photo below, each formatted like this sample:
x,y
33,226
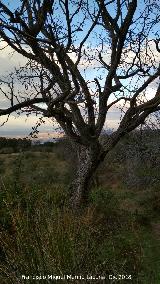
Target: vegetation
x,y
97,56
118,233
9,145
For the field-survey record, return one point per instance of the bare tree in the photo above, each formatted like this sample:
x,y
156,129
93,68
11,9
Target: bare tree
x,y
85,57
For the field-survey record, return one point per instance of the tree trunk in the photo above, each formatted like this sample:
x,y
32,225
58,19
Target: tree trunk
x,y
88,160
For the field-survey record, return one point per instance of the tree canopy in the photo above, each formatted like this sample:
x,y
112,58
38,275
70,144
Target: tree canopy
x,y
84,57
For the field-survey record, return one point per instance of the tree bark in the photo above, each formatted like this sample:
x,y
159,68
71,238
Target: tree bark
x,y
89,159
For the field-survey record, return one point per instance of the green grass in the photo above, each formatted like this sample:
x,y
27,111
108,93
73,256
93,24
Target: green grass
x,y
118,232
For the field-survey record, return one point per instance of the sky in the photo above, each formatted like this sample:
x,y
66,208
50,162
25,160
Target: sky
x,y
21,125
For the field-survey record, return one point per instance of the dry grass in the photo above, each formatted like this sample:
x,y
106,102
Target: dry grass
x,y
116,233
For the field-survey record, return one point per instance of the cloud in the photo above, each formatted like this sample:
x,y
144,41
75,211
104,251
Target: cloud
x,y
24,124
9,59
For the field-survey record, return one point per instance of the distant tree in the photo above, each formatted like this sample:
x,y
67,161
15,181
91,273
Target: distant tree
x,y
84,57
16,144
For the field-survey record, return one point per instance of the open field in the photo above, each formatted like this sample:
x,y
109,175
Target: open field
x,y
117,234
